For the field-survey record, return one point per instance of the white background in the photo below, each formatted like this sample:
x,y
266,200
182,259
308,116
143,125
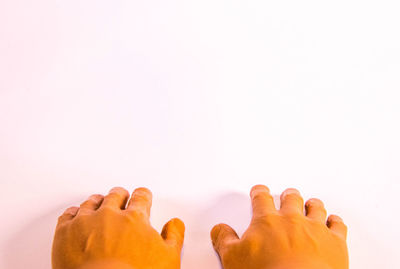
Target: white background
x,y
198,101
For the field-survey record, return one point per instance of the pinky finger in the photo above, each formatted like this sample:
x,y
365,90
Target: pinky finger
x,y
68,214
336,224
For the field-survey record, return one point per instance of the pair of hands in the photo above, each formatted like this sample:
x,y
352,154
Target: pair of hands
x,y
114,231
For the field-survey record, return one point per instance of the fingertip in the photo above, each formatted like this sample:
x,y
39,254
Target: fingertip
x,y
262,201
332,219
257,188
179,225
115,198
68,214
143,191
140,201
289,191
96,197
314,201
222,235
73,210
120,190
173,232
336,224
215,232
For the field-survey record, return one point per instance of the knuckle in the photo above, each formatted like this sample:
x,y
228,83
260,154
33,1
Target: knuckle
x,y
85,211
96,197
61,225
108,210
257,197
292,199
293,216
114,196
268,219
71,210
140,214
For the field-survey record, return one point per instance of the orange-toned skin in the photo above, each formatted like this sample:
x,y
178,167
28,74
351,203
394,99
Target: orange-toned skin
x,y
107,232
288,238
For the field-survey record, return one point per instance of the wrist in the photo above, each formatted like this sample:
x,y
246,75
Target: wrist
x,y
106,264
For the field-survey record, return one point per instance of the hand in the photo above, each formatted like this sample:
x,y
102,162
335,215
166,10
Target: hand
x,y
285,238
102,233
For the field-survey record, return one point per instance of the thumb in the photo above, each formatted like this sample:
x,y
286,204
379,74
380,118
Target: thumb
x,y
221,236
173,233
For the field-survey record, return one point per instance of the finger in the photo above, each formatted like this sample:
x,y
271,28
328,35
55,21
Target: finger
x,y
292,202
315,209
336,224
68,214
141,201
173,233
261,201
91,204
221,236
116,198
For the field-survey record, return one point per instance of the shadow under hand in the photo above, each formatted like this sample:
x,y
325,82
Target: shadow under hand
x,y
230,208
31,247
199,218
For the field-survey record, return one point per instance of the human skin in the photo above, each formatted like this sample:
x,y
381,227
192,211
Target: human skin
x,y
112,232
288,238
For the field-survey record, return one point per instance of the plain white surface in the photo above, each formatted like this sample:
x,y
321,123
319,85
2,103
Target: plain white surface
x,y
199,100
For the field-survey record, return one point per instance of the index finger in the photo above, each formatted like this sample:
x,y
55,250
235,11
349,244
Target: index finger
x,y
261,201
